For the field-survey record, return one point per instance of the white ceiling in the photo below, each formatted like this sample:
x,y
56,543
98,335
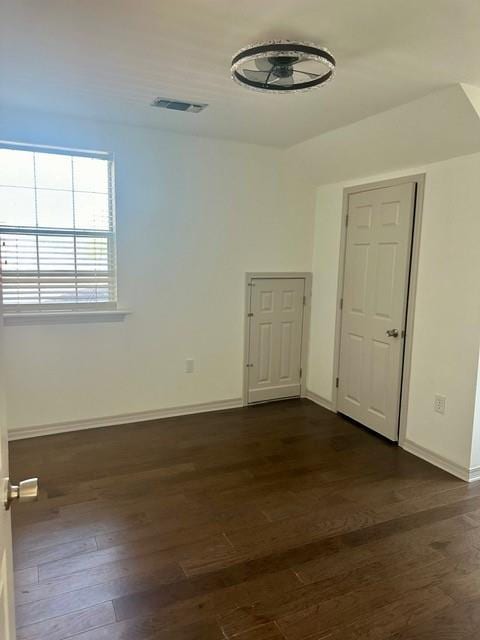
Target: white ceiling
x,y
109,58
441,125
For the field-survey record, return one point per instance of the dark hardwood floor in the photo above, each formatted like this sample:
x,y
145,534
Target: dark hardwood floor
x,y
265,523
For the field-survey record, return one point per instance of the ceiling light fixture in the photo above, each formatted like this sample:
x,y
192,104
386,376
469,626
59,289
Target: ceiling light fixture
x,y
283,66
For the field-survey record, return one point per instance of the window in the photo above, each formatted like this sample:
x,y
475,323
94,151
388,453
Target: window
x,y
57,229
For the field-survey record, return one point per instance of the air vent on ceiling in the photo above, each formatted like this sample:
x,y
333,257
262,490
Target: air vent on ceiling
x,y
178,105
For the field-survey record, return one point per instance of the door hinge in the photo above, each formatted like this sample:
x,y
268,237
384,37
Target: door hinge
x,y
301,371
249,365
251,284
304,300
346,220
337,382
249,315
341,303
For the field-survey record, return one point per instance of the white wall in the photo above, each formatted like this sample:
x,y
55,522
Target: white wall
x,y
193,215
447,320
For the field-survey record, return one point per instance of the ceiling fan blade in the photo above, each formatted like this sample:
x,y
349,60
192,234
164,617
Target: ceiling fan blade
x,y
312,76
284,82
255,76
263,64
307,65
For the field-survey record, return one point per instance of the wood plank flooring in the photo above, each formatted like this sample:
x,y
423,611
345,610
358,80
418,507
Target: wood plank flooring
x,y
274,522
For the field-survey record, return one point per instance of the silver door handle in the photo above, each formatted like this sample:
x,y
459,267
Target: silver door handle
x,y
392,333
25,491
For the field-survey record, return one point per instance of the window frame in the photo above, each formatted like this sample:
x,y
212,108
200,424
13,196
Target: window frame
x,y
66,308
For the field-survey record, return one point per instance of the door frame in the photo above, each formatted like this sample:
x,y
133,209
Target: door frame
x,y
419,180
249,277
7,568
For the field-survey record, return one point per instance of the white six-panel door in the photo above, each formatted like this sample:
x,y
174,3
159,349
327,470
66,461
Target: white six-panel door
x,y
377,262
275,340
7,630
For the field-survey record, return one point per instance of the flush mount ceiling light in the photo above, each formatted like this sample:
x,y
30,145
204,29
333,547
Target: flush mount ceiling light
x,y
282,66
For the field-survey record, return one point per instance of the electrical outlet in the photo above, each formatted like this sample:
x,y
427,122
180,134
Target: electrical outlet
x,y
189,365
439,403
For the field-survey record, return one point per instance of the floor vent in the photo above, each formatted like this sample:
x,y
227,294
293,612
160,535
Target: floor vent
x,y
178,105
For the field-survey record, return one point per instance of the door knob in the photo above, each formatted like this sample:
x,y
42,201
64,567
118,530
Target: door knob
x,y
392,333
25,491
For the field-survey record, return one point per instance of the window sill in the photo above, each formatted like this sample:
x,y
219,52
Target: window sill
x,y
64,317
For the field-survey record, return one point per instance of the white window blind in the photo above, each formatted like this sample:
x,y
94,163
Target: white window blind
x,y
57,229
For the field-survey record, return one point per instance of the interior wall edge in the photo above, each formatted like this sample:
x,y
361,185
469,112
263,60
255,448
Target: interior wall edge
x,y
317,399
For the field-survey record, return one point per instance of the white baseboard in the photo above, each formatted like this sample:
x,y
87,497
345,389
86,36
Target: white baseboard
x,y
464,473
474,474
322,402
125,418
